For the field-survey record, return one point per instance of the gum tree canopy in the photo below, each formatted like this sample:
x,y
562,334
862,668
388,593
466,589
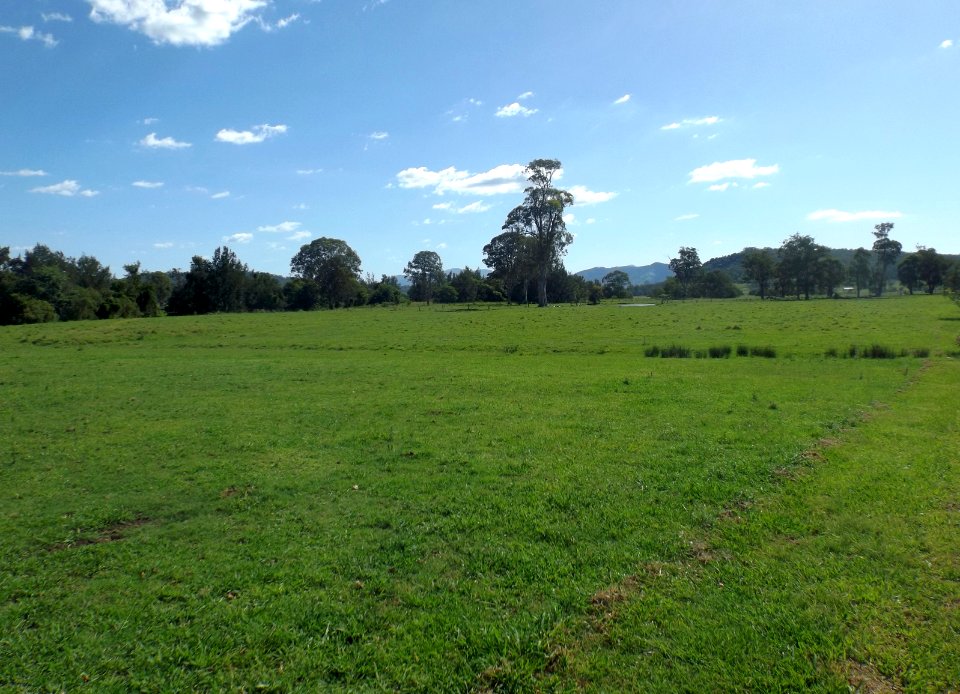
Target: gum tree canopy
x,y
333,266
540,217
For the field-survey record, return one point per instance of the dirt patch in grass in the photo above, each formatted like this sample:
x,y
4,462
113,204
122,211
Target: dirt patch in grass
x,y
866,679
111,533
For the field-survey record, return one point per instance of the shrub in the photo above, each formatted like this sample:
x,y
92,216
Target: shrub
x,y
652,351
721,352
675,351
767,352
743,351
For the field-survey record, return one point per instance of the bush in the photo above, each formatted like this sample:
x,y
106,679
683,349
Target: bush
x,y
767,352
722,352
743,351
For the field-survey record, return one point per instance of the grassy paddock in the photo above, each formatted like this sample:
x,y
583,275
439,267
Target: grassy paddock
x,y
435,499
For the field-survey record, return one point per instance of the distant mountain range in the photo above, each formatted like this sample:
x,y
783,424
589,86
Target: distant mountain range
x,y
638,274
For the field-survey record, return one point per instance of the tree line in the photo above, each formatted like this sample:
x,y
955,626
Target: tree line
x,y
524,264
801,268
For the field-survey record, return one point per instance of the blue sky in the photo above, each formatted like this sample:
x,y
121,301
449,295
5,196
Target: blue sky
x,y
155,130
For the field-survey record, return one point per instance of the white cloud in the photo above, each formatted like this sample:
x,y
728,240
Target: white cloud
x,y
569,218
281,228
150,121
735,168
443,206
692,122
28,33
308,172
301,206
56,17
25,173
591,220
525,95
721,186
842,216
622,100
147,184
155,142
685,217
299,236
186,23
946,44
67,189
379,135
440,246
515,109
259,133
474,208
505,178
165,244
242,237
221,195
761,184
583,196
282,23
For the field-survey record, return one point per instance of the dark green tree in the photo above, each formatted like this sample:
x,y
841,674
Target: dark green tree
x,y
759,267
540,217
510,258
860,269
333,266
830,273
932,268
616,283
425,272
687,268
799,265
886,251
908,272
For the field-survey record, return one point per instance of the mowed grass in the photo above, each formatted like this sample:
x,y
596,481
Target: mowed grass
x,y
467,499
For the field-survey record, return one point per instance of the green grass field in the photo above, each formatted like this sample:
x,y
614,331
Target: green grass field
x,y
505,499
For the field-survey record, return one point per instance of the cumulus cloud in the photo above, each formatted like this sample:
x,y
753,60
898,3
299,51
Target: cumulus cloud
x,y
583,196
505,178
281,228
67,189
185,23
622,100
154,142
258,134
25,173
946,44
147,184
28,33
515,109
242,237
735,168
692,122
842,216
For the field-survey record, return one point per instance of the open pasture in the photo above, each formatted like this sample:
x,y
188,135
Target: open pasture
x,y
490,499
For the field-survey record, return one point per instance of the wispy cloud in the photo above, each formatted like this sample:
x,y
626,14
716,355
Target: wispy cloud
x,y
222,195
28,33
67,189
279,24
946,44
379,135
241,237
622,100
515,109
734,168
154,142
842,216
308,172
147,184
257,134
584,196
186,23
692,122
150,121
25,173
299,236
720,187
163,245
56,17
281,228
685,217
525,95
506,178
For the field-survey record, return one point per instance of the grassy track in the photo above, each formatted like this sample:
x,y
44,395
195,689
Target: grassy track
x,y
439,500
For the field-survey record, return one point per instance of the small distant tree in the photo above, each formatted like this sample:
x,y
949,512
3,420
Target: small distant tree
x,y
800,263
759,267
830,273
860,269
932,268
687,268
333,266
908,272
616,283
886,251
425,272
